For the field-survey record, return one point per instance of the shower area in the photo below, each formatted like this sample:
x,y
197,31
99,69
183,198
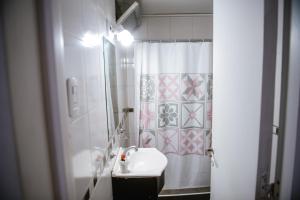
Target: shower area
x,y
168,75
173,100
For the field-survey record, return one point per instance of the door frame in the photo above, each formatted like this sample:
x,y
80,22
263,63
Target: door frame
x,y
52,58
287,174
10,174
267,98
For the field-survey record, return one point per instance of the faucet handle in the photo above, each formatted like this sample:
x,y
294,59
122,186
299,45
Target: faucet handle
x,y
126,151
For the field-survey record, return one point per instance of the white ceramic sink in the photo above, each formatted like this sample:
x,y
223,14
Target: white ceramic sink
x,y
146,162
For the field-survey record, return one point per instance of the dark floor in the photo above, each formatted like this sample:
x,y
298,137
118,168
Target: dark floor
x,y
186,197
186,194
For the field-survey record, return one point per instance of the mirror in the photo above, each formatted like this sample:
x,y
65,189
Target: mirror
x,y
111,92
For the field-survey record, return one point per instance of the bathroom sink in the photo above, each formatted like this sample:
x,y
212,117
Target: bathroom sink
x,y
146,162
144,178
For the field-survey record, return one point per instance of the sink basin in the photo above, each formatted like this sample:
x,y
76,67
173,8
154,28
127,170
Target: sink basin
x,y
145,177
146,162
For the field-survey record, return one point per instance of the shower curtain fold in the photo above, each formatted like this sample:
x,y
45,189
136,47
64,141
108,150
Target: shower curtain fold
x,y
173,100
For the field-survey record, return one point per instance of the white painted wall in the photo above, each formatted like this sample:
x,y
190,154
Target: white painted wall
x,y
175,27
26,96
88,131
238,65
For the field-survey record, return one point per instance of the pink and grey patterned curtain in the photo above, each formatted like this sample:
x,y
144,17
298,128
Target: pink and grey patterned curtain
x,y
175,104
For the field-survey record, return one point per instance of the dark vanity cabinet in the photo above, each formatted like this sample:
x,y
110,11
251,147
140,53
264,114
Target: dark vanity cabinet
x,y
138,188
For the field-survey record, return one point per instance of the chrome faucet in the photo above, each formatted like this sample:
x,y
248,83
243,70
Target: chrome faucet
x,y
126,151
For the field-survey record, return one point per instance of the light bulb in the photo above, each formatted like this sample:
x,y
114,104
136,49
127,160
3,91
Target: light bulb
x,y
125,38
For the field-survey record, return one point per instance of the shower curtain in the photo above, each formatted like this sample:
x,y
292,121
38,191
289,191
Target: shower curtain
x,y
174,107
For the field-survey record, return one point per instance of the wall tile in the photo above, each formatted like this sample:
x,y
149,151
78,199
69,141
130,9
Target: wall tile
x,y
72,17
109,10
90,16
102,4
102,26
93,67
104,189
98,137
74,67
202,27
81,159
88,132
141,32
158,28
181,27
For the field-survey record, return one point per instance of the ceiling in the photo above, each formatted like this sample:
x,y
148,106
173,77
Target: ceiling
x,y
152,7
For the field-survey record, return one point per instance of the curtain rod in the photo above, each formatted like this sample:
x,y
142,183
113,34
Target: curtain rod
x,y
178,15
175,40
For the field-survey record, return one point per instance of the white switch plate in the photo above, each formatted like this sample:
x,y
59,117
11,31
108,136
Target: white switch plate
x,y
73,96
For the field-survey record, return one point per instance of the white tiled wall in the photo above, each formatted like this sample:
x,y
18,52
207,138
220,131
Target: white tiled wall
x,y
175,27
88,130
